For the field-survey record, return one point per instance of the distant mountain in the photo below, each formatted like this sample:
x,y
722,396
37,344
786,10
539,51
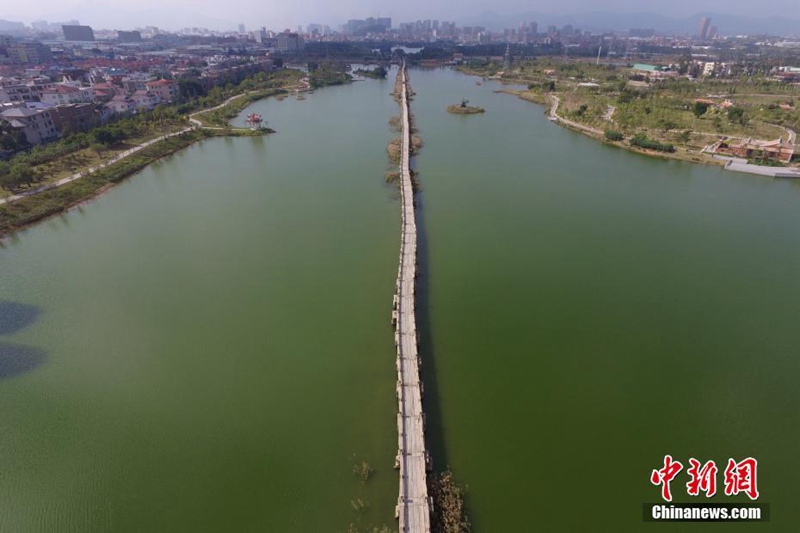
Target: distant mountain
x,y
606,21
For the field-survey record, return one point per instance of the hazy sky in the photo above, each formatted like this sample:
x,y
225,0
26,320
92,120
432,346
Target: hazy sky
x,y
280,14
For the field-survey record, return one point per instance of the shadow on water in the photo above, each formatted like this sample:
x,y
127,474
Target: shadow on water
x,y
16,360
16,317
434,433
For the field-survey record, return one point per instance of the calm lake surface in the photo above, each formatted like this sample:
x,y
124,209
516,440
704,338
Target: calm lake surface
x,y
207,346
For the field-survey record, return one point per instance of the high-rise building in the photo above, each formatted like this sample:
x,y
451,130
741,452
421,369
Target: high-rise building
x,y
241,28
289,42
30,54
702,28
129,36
712,32
77,33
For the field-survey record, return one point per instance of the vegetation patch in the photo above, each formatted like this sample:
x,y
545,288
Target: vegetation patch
x,y
416,144
449,513
378,73
363,471
394,149
465,109
24,211
328,73
642,141
393,178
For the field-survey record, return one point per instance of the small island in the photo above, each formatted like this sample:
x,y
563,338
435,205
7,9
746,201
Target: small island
x,y
464,109
379,73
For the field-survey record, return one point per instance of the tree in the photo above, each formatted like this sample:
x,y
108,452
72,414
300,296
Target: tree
x,y
22,174
7,182
699,109
736,114
667,125
98,148
190,88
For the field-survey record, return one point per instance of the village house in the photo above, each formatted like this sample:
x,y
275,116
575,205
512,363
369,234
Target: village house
x,y
62,94
145,100
776,150
71,118
121,104
37,124
166,90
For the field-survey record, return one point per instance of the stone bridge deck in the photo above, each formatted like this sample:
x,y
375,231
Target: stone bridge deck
x,y
413,460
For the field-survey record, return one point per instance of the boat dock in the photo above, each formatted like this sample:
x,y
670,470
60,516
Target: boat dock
x,y
413,505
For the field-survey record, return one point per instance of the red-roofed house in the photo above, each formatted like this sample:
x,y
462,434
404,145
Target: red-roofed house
x,y
166,90
66,94
753,149
145,100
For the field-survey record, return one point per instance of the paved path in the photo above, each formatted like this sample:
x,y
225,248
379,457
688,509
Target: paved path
x,y
220,106
555,118
413,506
91,170
127,153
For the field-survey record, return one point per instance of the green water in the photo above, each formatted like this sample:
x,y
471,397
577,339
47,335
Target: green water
x,y
212,337
591,310
207,346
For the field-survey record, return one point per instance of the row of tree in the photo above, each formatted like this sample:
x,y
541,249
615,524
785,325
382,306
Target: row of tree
x,y
12,177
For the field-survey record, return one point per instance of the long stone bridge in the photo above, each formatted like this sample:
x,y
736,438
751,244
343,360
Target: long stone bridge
x,y
413,505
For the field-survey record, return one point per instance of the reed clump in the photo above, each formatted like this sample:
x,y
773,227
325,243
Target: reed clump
x,y
449,512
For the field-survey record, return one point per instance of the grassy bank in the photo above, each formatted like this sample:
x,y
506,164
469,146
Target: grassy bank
x,y
221,117
688,114
28,210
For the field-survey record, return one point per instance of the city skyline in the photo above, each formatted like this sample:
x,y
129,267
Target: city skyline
x,y
102,14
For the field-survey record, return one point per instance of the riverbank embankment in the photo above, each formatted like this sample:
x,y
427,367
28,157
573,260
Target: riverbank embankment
x,y
58,198
22,209
665,120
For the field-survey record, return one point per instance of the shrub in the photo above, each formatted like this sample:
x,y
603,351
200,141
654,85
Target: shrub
x,y
643,142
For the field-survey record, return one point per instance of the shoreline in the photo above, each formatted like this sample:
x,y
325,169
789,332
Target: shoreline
x,y
682,153
54,200
30,210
